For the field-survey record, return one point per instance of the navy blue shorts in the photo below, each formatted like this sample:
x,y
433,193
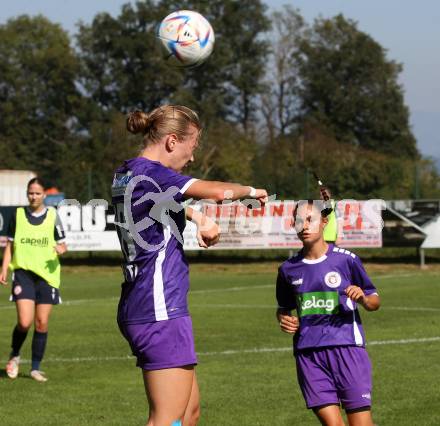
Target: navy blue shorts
x,y
27,285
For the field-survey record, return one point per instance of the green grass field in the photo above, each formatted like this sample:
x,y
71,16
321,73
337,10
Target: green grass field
x,y
246,370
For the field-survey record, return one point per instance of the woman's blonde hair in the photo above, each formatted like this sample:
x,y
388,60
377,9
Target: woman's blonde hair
x,y
163,121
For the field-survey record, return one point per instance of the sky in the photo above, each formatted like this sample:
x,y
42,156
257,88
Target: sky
x,y
408,29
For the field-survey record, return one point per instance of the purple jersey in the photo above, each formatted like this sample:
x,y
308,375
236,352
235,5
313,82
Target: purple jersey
x,y
150,226
316,289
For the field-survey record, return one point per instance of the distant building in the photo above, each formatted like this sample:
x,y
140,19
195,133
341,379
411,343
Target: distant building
x,y
13,187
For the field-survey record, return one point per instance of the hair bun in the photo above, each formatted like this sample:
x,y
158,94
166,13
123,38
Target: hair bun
x,y
138,121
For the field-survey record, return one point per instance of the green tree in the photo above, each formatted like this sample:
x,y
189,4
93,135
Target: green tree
x,y
349,86
96,155
226,152
281,101
38,96
352,171
122,68
121,63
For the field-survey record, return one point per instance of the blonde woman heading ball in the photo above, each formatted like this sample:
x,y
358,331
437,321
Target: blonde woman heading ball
x,y
153,312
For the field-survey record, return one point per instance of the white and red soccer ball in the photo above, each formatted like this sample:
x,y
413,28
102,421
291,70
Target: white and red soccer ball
x,y
187,38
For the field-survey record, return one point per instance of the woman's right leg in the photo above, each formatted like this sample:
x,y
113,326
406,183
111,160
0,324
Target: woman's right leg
x,y
25,318
168,391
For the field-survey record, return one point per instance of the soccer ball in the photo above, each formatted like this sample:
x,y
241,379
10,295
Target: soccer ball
x,y
187,38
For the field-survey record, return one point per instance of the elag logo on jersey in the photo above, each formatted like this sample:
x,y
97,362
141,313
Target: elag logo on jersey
x,y
333,279
318,303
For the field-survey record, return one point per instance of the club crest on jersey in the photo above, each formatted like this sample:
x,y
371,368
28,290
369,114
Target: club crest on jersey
x,y
333,279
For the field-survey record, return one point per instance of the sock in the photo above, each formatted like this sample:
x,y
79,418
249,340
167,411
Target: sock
x,y
177,423
38,346
18,338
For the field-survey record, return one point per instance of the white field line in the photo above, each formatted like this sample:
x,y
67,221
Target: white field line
x,y
238,306
232,306
225,290
232,351
409,274
411,308
221,290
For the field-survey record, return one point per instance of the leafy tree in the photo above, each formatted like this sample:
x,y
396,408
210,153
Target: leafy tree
x,y
278,168
351,87
240,26
426,179
122,66
281,102
37,94
96,156
355,172
324,98
226,153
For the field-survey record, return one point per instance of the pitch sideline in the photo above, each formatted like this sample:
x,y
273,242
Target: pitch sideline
x,y
232,351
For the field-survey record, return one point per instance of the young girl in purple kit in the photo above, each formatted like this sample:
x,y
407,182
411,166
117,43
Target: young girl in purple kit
x,y
325,283
153,316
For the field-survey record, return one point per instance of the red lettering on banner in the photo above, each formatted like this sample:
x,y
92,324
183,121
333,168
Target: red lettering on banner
x,y
258,212
277,210
352,210
232,210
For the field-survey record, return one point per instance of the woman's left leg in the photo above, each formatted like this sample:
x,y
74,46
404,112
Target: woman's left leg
x,y
168,391
361,417
192,412
39,340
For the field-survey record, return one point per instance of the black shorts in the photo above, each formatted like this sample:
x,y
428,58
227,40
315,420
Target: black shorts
x,y
27,285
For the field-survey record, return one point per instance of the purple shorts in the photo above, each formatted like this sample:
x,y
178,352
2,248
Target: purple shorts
x,y
162,344
340,374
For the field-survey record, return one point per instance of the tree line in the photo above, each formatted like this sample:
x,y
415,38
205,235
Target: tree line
x,y
280,98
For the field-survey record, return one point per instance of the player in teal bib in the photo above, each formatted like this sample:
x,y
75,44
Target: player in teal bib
x,y
35,240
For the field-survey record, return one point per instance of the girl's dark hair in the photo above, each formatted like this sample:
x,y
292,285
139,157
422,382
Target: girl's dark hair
x,y
38,181
162,121
323,206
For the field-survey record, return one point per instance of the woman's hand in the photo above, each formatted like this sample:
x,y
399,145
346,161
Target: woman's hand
x,y
7,256
261,196
288,323
354,293
4,277
370,303
208,232
60,249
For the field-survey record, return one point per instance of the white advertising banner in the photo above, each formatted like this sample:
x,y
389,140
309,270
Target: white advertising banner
x,y
93,241
87,226
91,228
360,223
